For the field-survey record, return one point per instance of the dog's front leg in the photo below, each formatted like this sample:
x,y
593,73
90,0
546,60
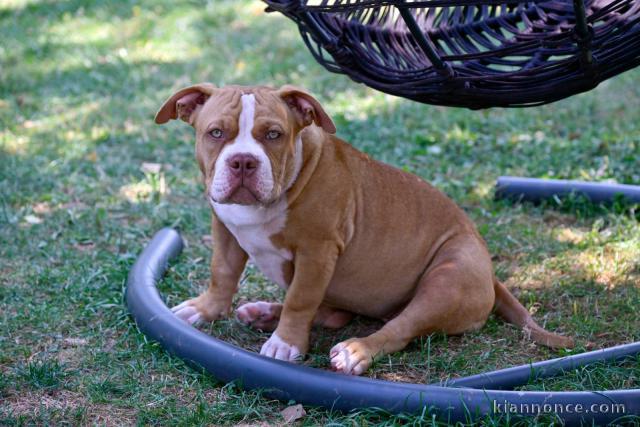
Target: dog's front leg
x,y
313,270
227,263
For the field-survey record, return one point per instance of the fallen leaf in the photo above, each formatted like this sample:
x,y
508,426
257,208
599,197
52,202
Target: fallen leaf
x,y
293,413
148,167
32,219
72,206
85,246
42,208
207,240
74,342
434,149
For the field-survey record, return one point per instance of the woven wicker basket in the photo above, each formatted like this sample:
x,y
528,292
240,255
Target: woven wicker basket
x,y
472,53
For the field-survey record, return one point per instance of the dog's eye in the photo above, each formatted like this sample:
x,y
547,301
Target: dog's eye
x,y
273,134
216,133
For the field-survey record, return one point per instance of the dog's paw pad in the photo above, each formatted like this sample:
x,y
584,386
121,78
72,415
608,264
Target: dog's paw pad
x,y
278,349
349,357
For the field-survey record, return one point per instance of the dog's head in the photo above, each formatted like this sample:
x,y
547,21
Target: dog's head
x,y
247,138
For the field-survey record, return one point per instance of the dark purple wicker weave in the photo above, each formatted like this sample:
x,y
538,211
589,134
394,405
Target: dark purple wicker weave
x,y
472,53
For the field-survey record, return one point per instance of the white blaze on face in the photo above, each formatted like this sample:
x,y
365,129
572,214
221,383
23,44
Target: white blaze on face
x,y
254,225
243,144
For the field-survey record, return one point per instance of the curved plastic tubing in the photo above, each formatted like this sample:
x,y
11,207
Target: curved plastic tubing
x,y
286,381
507,379
536,190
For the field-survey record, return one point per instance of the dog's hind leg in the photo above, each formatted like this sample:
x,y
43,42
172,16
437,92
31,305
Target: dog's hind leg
x,y
260,315
454,295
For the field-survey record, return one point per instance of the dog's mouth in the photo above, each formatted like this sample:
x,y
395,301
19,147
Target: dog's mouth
x,y
241,195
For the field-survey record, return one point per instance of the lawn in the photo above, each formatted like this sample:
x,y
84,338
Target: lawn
x,y
86,178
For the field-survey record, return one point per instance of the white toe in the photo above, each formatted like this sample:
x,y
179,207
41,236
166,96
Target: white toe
x,y
179,306
243,314
188,313
194,319
275,347
342,360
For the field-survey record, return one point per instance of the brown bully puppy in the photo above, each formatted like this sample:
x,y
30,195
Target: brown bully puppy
x,y
344,234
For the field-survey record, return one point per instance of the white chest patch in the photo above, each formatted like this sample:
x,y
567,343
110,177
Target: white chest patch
x,y
253,226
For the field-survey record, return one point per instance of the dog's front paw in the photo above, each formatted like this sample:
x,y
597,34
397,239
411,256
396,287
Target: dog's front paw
x,y
203,308
350,357
278,349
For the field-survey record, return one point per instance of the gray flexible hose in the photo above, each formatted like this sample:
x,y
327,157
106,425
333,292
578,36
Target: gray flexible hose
x,y
509,378
309,386
536,190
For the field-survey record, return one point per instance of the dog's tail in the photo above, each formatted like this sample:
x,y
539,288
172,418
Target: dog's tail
x,y
509,308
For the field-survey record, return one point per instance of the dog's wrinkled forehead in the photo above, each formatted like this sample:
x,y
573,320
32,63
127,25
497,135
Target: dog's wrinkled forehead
x,y
226,104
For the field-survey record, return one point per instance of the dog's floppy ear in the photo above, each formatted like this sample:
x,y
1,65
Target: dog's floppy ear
x,y
184,103
306,108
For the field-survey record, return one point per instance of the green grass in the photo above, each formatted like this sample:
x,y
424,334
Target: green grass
x,y
43,374
80,82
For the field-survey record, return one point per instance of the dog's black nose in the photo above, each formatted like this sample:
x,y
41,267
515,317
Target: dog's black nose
x,y
243,164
